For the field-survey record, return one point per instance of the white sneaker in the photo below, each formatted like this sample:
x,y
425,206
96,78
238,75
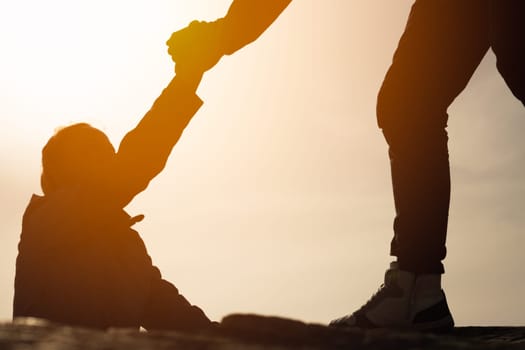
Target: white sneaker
x,y
405,301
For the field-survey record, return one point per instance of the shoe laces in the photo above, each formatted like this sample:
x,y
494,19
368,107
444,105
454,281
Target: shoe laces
x,y
374,299
383,290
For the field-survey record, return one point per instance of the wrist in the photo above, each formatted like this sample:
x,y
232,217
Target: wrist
x,y
188,80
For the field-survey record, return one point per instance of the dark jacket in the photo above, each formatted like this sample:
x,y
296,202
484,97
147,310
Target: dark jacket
x,y
79,260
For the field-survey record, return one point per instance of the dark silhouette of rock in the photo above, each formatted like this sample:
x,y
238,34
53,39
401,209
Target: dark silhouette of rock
x,y
254,332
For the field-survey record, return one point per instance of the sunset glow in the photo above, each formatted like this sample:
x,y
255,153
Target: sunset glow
x,y
277,198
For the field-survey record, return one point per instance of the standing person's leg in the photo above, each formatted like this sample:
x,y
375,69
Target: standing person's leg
x,y
442,45
507,37
437,55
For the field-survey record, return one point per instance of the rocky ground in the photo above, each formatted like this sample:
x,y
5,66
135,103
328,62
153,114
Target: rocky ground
x,y
253,332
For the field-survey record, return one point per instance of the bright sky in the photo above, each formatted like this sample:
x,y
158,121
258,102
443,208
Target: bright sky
x,y
277,199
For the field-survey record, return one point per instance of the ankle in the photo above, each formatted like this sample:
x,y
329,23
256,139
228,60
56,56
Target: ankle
x,y
428,281
427,291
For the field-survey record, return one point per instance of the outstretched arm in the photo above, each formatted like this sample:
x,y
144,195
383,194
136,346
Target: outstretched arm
x,y
143,152
246,20
204,43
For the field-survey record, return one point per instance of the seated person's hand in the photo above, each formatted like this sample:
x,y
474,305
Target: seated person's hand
x,y
197,46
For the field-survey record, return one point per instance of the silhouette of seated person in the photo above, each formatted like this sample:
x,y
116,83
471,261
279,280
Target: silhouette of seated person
x,y
79,261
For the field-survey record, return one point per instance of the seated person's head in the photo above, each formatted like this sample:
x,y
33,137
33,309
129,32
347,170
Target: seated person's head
x,y
77,155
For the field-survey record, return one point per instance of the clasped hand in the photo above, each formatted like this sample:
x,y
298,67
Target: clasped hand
x,y
197,47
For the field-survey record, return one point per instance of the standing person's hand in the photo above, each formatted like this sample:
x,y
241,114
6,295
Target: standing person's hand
x,y
197,46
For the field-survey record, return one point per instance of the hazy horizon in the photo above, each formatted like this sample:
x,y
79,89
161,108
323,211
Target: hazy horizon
x,y
277,199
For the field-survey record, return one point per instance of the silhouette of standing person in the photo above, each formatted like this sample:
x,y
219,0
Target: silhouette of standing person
x,y
441,47
79,261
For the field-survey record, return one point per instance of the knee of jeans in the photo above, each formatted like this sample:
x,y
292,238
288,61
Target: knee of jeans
x,y
409,125
401,111
397,116
385,108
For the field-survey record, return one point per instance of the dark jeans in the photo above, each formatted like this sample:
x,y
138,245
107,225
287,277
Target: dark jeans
x,y
443,43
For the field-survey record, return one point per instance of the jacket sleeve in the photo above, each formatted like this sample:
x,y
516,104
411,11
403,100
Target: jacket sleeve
x,y
142,292
246,20
167,309
143,152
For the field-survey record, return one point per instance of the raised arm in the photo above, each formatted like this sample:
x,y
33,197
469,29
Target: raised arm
x,y
246,20
143,152
204,43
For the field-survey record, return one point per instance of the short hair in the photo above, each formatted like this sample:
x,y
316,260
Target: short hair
x,y
73,155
